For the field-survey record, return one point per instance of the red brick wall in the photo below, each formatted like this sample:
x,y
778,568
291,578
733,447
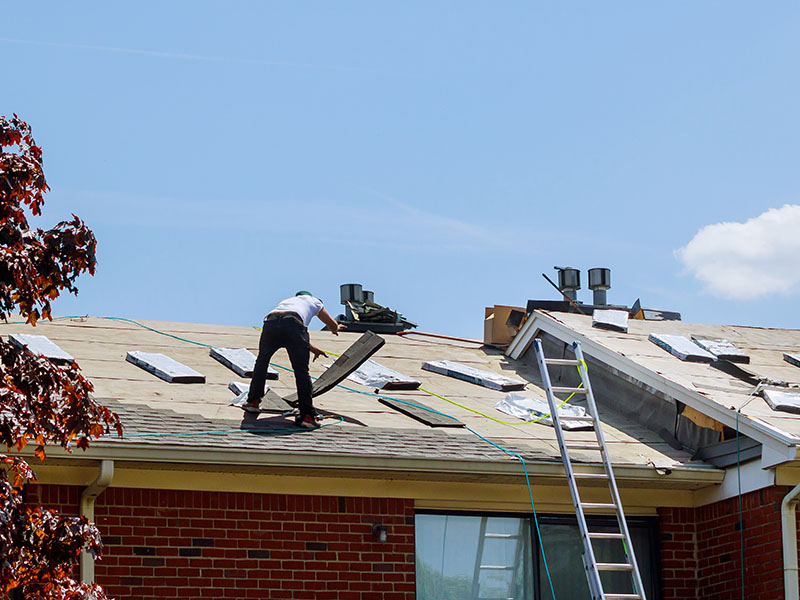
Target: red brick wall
x,y
700,549
175,544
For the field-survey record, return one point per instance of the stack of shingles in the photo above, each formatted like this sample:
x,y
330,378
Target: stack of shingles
x,y
615,320
722,354
682,347
40,344
164,367
786,399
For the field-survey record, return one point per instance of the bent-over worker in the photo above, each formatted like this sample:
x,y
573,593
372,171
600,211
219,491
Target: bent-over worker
x,y
286,326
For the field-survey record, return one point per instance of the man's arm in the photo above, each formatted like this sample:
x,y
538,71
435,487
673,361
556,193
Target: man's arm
x,y
317,352
330,322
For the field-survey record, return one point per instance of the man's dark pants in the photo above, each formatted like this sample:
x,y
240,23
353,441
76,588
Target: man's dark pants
x,y
289,333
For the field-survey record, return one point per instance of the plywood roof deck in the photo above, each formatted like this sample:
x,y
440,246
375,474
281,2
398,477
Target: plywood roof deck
x,y
764,346
100,345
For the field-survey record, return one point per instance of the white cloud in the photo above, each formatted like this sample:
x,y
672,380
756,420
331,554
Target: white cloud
x,y
748,260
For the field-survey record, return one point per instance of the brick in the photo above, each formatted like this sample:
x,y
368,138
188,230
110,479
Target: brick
x,y
316,546
183,544
203,542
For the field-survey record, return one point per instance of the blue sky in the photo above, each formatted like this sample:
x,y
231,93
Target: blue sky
x,y
443,154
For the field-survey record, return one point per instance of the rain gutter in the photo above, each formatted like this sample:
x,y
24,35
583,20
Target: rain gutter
x,y
250,457
789,539
88,497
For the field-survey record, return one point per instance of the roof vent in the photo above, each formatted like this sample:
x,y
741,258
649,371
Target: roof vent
x,y
361,313
569,281
351,292
599,282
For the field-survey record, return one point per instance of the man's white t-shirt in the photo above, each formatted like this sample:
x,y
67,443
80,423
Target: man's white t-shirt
x,y
306,307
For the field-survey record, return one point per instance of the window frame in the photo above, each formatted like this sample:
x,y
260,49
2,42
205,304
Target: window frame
x,y
650,524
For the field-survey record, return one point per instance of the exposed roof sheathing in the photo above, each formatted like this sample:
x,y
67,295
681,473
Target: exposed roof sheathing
x,y
721,392
100,347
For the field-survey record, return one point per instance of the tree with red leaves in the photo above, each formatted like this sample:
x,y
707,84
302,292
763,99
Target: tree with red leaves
x,y
41,403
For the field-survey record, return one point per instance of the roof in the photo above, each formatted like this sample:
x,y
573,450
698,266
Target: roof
x,y
172,417
705,388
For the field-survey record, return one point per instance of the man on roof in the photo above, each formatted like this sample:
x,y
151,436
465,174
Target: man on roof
x,y
286,326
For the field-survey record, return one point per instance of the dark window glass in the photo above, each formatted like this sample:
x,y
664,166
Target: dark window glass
x,y
564,551
471,557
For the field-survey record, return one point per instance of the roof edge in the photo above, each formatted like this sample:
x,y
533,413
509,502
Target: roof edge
x,y
542,321
151,453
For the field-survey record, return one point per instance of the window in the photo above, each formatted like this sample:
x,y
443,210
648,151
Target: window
x,y
473,557
469,557
563,549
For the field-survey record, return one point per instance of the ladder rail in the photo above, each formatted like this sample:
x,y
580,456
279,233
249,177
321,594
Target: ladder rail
x,y
475,592
518,550
593,573
612,482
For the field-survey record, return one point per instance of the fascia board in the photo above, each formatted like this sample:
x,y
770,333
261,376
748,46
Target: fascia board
x,y
781,444
522,341
248,458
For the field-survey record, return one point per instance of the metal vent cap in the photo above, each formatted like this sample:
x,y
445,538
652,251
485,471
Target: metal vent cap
x,y
351,292
599,278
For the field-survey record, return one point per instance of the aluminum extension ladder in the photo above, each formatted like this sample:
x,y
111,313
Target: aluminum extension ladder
x,y
590,564
510,570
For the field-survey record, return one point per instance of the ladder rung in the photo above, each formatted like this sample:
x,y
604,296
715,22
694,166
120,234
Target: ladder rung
x,y
590,475
614,567
622,597
561,361
568,390
575,446
606,536
599,505
505,536
575,418
497,567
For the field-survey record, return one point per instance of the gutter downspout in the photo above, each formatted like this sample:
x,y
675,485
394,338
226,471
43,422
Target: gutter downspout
x,y
88,497
789,536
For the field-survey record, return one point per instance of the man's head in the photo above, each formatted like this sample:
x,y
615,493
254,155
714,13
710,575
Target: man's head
x,y
304,293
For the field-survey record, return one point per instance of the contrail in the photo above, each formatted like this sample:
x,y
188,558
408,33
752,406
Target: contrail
x,y
181,56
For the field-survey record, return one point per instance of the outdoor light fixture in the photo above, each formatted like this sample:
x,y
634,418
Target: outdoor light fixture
x,y
379,532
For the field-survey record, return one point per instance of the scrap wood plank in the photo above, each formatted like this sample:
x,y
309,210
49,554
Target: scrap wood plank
x,y
681,347
352,358
239,360
270,401
40,344
164,367
738,371
487,379
421,413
